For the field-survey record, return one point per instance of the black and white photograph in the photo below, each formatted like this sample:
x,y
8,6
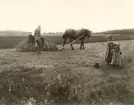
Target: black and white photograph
x,y
66,52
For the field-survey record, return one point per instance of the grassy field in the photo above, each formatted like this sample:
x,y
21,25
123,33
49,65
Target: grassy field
x,y
12,41
52,78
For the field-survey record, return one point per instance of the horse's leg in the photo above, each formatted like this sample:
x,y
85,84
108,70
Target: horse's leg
x,y
82,45
71,44
65,40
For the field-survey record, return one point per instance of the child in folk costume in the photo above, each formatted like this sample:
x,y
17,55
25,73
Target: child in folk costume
x,y
116,56
108,57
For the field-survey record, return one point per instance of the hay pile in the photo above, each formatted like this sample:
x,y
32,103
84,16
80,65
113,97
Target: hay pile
x,y
24,46
29,46
50,47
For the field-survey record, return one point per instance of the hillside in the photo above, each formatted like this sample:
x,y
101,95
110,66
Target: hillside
x,y
13,33
119,31
22,33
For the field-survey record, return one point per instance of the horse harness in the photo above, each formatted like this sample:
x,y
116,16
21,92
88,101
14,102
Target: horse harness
x,y
72,41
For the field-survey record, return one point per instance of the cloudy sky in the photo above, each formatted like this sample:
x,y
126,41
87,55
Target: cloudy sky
x,y
58,15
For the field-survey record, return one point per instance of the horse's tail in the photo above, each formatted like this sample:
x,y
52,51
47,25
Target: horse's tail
x,y
65,35
30,38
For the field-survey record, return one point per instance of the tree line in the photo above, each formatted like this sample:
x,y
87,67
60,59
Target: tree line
x,y
121,31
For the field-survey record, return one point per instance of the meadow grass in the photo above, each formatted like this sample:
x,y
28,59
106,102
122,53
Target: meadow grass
x,y
66,77
20,84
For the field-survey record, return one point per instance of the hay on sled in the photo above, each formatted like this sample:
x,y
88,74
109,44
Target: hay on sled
x,y
26,46
50,47
29,46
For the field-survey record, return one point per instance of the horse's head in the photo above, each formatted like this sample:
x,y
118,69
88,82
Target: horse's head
x,y
87,33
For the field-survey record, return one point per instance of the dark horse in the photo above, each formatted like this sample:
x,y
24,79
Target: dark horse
x,y
72,35
40,42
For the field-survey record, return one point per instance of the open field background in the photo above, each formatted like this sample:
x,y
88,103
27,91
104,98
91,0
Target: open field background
x,y
26,76
12,40
9,39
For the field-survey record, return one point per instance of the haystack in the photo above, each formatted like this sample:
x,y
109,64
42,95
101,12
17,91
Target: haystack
x,y
29,46
50,47
24,46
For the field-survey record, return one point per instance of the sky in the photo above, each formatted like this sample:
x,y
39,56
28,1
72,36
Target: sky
x,y
59,15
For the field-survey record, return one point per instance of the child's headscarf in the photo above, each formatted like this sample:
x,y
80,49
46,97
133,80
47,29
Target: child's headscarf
x,y
109,38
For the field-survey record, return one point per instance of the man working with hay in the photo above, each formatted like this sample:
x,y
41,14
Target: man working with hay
x,y
38,41
37,33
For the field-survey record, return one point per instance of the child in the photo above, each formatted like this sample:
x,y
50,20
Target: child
x,y
116,56
108,57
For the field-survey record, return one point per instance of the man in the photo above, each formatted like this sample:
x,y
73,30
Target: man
x,y
37,33
37,37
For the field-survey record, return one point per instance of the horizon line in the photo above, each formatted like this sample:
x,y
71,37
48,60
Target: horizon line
x,y
61,31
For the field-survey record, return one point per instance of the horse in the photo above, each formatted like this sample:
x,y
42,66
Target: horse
x,y
73,34
38,43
